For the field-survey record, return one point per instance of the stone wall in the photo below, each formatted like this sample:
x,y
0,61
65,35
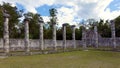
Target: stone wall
x,y
108,42
103,42
18,44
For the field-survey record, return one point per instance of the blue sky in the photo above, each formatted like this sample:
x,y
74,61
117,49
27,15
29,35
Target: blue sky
x,y
71,11
114,5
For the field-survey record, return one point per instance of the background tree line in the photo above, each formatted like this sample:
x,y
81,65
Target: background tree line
x,y
16,27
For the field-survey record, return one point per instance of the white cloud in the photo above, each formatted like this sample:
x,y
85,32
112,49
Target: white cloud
x,y
46,19
72,10
107,14
66,15
31,4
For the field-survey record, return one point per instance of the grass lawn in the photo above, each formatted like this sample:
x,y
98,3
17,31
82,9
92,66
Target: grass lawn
x,y
76,59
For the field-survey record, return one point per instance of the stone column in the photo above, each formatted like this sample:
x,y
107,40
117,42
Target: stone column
x,y
41,33
73,36
64,36
84,37
113,33
6,33
26,22
96,36
54,37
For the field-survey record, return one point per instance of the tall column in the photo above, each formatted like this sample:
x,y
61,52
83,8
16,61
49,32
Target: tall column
x,y
96,36
26,22
54,36
64,36
113,33
6,32
84,37
41,33
27,49
73,36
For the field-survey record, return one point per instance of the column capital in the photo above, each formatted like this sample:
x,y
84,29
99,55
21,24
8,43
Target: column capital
x,y
112,22
72,26
40,19
26,19
5,14
65,24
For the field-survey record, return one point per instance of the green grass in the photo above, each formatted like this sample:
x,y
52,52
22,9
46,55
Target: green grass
x,y
76,59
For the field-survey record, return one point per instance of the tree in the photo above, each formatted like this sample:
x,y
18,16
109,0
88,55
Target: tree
x,y
117,26
53,17
59,34
78,33
34,27
53,22
68,32
47,33
1,23
103,28
14,19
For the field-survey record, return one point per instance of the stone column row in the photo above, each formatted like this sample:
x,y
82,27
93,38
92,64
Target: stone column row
x,y
64,36
84,38
26,21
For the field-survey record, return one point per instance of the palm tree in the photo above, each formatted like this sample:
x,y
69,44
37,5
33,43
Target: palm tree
x,y
41,22
53,21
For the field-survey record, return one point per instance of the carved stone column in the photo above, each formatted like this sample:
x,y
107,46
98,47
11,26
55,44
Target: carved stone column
x,y
26,22
96,36
6,33
64,36
41,33
113,33
27,49
73,36
84,37
54,37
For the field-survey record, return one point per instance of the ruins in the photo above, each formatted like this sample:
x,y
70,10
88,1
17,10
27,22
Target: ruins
x,y
89,38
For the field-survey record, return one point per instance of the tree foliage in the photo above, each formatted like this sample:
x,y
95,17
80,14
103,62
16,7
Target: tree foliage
x,y
13,22
16,28
117,26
